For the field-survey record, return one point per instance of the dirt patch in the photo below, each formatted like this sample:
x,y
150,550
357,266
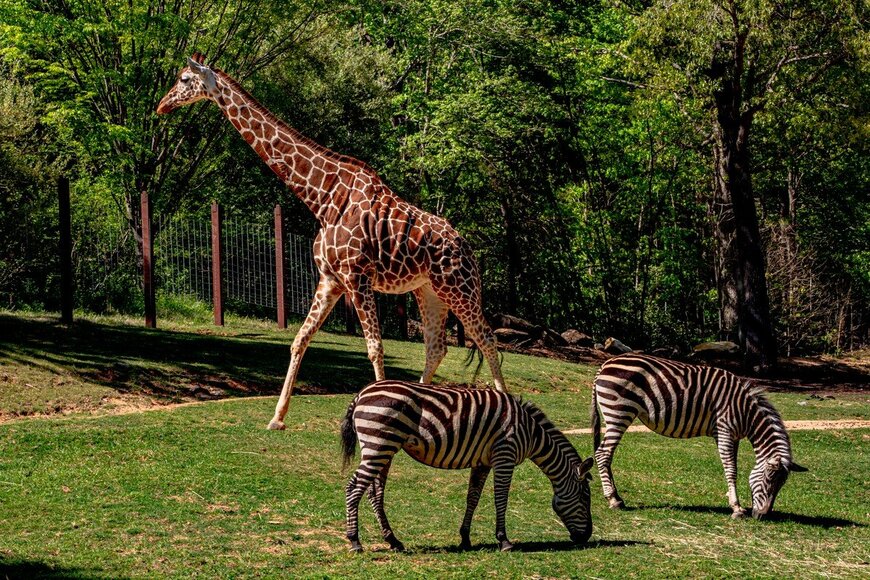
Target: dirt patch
x,y
790,425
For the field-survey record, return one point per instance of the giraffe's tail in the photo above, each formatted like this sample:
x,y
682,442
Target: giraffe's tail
x,y
348,436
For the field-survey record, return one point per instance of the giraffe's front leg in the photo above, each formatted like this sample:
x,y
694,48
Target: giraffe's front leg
x,y
327,294
363,298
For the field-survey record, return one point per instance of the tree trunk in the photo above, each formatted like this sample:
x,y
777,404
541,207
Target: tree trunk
x,y
514,257
732,127
725,267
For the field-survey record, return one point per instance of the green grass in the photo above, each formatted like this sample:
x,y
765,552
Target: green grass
x,y
204,490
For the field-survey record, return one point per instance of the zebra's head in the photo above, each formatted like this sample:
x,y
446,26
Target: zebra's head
x,y
571,501
767,478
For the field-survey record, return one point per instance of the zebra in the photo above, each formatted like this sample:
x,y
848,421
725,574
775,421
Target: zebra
x,y
452,427
680,400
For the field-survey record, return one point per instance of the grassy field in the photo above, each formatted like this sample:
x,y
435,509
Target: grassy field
x,y
204,490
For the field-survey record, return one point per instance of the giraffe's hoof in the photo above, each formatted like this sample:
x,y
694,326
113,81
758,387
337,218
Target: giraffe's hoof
x,y
617,504
275,425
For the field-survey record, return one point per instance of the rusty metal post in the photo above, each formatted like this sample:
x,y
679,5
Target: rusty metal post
x,y
279,267
148,263
217,264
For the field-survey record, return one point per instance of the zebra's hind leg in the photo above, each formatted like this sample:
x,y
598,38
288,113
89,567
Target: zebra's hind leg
x,y
370,467
604,457
376,497
475,488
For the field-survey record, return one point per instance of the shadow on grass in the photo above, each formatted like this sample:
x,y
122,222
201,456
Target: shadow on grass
x,y
25,569
533,547
173,364
775,516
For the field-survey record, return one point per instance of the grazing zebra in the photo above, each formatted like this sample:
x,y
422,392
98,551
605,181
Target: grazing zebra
x,y
680,400
457,428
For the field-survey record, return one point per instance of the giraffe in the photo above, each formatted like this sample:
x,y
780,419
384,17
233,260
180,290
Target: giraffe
x,y
369,240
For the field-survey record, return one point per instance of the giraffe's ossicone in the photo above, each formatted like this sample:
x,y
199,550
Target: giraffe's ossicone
x,y
370,239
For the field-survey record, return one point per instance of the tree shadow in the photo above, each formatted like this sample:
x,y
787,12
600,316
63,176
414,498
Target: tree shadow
x,y
177,364
531,547
775,516
13,568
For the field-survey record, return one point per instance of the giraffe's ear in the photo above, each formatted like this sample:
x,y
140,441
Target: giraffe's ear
x,y
204,72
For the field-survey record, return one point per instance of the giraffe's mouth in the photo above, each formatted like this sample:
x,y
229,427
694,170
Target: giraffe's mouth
x,y
164,107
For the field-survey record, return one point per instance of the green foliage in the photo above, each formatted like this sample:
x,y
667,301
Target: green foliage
x,y
570,143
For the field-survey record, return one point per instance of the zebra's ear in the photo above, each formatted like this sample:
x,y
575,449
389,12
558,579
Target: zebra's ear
x,y
583,468
797,468
774,462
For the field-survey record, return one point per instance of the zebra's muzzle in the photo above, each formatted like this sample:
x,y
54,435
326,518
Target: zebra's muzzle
x,y
581,537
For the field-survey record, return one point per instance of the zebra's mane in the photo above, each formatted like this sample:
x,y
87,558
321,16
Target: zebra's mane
x,y
759,394
554,432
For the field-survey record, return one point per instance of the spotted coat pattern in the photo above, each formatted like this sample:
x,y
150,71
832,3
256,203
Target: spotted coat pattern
x,y
370,239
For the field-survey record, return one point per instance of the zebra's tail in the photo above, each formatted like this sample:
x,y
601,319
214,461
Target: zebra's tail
x,y
348,436
596,419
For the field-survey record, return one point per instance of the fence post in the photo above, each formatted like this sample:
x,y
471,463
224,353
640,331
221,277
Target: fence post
x,y
65,249
148,263
216,264
279,266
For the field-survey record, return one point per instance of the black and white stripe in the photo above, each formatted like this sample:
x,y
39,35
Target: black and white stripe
x,y
458,428
681,400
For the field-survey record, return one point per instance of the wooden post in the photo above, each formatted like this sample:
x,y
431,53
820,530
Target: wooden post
x,y
65,248
279,267
217,264
350,312
148,263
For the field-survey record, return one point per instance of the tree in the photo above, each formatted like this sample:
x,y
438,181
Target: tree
x,y
731,55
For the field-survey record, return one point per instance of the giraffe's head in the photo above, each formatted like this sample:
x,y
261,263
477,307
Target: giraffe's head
x,y
195,82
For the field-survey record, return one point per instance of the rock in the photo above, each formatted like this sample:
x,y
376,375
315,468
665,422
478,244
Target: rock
x,y
720,348
574,337
598,346
615,346
511,336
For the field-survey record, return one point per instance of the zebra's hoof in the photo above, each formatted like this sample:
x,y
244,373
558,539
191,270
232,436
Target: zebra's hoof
x,y
617,504
464,545
275,425
356,549
738,514
397,546
505,546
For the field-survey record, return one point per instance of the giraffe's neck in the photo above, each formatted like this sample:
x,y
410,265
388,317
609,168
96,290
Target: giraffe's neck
x,y
311,171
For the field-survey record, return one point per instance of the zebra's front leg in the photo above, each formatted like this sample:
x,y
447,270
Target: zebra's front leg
x,y
604,457
376,497
475,488
504,472
728,453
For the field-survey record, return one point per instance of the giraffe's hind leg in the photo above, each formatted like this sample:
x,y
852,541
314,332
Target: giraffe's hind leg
x,y
363,297
433,313
376,497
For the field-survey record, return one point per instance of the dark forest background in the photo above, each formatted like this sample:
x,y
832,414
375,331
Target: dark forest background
x,y
664,172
